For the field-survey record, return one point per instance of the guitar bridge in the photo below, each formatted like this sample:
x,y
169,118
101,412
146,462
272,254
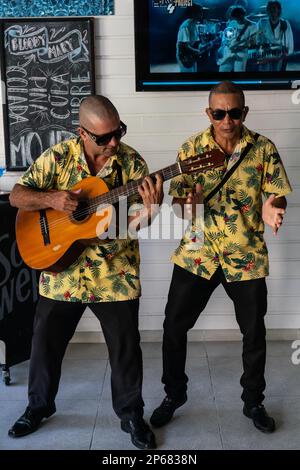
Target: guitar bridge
x,y
44,227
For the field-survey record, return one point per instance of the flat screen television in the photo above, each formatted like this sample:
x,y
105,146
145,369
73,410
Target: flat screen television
x,y
193,44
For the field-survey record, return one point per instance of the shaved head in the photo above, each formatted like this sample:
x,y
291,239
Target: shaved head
x,y
227,88
96,108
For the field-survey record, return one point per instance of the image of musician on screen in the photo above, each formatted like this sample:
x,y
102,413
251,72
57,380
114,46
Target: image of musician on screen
x,y
275,38
238,36
195,41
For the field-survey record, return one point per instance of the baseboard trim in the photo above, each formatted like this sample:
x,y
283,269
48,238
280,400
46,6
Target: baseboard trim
x,y
194,335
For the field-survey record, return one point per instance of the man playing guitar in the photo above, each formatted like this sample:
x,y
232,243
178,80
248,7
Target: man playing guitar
x,y
192,45
237,38
275,35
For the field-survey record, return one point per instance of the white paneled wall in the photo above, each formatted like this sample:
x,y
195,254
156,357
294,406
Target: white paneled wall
x,y
157,124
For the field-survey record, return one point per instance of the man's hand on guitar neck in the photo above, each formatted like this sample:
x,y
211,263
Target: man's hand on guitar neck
x,y
152,195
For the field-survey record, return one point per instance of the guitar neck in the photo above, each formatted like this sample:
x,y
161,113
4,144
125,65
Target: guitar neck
x,y
130,189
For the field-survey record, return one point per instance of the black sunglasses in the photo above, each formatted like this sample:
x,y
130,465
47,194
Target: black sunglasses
x,y
219,114
104,139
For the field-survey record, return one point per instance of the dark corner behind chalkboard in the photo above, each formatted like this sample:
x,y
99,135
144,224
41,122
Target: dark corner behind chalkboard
x,y
47,70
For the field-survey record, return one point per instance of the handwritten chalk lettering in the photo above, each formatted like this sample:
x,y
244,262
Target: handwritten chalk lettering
x,y
80,90
16,99
17,84
81,78
75,104
16,114
56,136
46,87
39,110
38,82
61,78
75,92
58,50
27,44
38,98
22,151
38,92
19,287
20,43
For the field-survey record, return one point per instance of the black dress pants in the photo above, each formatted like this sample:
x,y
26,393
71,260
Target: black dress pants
x,y
54,326
188,296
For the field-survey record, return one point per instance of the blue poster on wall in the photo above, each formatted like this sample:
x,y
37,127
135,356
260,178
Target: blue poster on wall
x,y
40,8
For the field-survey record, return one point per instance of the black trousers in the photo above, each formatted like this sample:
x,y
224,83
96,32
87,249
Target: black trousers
x,y
188,296
54,326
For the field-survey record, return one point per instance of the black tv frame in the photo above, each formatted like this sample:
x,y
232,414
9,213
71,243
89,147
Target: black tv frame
x,y
150,81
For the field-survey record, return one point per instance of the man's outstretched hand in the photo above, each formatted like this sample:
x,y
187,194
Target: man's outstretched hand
x,y
272,214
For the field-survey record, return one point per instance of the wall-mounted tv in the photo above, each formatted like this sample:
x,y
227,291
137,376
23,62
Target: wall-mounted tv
x,y
193,44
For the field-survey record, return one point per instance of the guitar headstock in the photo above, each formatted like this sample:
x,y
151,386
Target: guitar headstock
x,y
202,162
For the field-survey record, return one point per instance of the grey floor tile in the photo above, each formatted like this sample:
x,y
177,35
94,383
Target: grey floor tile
x,y
151,349
17,390
87,351
193,427
234,348
239,433
71,428
85,384
107,433
152,386
196,369
279,348
196,349
225,375
223,348
282,377
82,379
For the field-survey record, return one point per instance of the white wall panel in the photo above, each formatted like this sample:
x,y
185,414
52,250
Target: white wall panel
x,y
158,123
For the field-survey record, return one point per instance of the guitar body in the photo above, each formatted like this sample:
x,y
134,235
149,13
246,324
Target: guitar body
x,y
62,247
52,240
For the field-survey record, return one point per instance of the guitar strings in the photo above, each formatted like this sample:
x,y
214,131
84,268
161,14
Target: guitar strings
x,y
110,200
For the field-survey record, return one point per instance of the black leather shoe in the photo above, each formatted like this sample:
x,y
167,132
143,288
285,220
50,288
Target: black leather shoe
x,y
163,414
260,418
27,423
141,435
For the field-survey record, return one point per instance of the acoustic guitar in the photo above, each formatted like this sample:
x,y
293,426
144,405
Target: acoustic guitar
x,y
188,57
50,240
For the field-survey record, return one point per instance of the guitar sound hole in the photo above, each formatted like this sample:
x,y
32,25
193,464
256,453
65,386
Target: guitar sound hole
x,y
81,212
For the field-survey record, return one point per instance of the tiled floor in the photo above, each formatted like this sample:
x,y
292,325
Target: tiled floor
x,y
211,419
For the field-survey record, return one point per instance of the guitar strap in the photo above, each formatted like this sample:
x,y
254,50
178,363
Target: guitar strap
x,y
231,171
242,31
119,174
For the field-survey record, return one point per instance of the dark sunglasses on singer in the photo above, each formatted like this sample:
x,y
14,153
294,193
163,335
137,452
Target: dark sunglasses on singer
x,y
104,139
219,114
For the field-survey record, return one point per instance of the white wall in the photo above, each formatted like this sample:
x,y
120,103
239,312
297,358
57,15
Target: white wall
x,y
157,124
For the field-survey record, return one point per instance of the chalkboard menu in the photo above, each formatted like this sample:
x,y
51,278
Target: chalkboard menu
x,y
18,292
47,69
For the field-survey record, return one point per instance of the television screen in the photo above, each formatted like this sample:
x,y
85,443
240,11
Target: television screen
x,y
193,44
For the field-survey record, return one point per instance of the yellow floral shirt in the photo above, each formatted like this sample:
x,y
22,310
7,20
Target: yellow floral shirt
x,y
106,272
232,229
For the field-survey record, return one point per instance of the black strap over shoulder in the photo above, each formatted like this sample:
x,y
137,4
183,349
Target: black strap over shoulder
x,y
243,30
119,174
231,171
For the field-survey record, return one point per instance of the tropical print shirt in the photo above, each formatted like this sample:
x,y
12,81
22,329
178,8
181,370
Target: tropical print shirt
x,y
106,272
232,227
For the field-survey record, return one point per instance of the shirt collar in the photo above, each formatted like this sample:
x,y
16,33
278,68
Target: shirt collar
x,y
107,169
209,141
